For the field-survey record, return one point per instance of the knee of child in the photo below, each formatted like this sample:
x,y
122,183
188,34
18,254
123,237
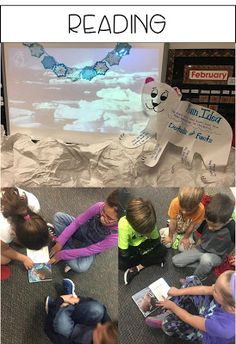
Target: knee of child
x,y
206,259
176,262
57,216
5,260
97,311
80,268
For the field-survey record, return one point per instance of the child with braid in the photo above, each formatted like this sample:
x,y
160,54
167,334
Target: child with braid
x,y
20,222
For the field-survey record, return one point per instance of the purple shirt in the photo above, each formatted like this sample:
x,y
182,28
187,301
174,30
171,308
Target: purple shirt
x,y
220,327
109,242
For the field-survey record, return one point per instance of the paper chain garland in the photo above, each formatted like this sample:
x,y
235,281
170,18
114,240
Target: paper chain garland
x,y
88,72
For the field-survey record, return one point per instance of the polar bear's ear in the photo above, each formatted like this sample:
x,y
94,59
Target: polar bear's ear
x,y
177,90
149,79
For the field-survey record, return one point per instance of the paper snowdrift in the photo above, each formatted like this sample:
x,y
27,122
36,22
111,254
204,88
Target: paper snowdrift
x,y
51,162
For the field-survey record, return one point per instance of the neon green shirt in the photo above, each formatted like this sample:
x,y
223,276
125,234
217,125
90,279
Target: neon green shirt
x,y
127,236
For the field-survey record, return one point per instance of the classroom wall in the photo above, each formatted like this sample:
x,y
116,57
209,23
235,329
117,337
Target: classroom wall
x,y
210,45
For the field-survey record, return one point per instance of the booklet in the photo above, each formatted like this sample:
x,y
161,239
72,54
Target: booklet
x,y
147,298
41,270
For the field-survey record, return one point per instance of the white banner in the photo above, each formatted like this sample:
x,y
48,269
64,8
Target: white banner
x,y
117,23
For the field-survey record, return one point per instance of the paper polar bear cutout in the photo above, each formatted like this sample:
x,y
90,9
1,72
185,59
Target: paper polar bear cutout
x,y
195,128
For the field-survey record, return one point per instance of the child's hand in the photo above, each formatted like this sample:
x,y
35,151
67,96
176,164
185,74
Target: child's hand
x,y
28,263
185,242
167,304
173,292
167,240
54,260
70,299
56,248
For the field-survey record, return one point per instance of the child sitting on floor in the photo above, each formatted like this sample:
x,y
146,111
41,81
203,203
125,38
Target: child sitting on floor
x,y
186,212
83,320
200,313
81,238
139,243
20,222
216,240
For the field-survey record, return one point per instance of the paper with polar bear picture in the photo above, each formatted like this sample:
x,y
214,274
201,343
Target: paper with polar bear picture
x,y
195,128
147,298
41,271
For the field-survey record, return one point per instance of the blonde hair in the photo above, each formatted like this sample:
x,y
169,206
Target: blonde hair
x,y
225,291
190,197
141,215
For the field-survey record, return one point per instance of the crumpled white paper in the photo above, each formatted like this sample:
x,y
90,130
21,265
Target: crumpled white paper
x,y
51,162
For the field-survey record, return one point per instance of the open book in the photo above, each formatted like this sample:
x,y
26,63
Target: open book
x,y
41,270
147,298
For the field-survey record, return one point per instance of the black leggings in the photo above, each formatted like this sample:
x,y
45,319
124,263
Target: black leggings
x,y
133,256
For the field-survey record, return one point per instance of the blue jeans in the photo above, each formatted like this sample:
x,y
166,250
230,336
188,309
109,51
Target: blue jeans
x,y
81,264
204,262
86,312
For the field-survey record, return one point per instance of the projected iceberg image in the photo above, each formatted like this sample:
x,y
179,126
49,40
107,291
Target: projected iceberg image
x,y
52,89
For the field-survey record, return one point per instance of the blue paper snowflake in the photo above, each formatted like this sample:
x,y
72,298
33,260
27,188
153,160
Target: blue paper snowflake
x,y
60,70
28,44
112,58
36,50
122,49
88,73
48,62
101,67
74,74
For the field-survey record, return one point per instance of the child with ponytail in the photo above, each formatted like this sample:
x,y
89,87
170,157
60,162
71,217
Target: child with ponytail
x,y
20,222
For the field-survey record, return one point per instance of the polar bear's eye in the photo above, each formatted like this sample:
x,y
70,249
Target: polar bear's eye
x,y
164,95
154,92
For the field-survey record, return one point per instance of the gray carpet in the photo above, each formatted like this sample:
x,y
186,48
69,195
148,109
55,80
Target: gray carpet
x,y
132,327
22,303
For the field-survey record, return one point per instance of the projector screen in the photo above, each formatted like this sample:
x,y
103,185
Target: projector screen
x,y
78,92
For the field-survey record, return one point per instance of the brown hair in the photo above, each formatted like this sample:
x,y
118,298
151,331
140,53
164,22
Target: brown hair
x,y
220,209
141,215
113,199
225,291
33,232
190,197
110,333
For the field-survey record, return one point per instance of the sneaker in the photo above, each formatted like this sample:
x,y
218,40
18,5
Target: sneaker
x,y
156,321
130,274
51,231
69,287
48,303
67,268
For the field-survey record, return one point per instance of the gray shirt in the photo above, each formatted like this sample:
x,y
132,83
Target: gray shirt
x,y
218,242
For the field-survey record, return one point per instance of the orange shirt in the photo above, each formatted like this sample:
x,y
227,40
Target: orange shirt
x,y
184,221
